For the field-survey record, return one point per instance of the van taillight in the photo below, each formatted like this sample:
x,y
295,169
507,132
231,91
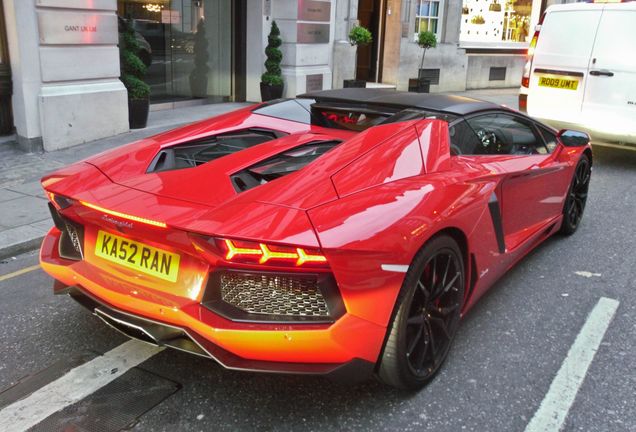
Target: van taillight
x,y
525,79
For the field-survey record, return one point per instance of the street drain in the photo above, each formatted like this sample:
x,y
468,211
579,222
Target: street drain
x,y
113,407
31,383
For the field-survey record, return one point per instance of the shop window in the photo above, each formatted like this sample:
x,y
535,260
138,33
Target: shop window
x,y
498,23
187,46
428,15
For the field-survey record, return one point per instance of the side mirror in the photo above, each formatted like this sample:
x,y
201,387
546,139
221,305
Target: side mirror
x,y
573,138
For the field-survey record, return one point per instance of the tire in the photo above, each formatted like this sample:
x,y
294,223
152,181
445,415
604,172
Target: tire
x,y
429,305
577,196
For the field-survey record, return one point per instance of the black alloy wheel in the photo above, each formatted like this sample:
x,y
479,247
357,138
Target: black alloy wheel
x,y
427,318
577,196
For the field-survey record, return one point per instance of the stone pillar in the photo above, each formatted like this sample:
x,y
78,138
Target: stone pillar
x,y
307,34
256,39
65,64
343,53
303,62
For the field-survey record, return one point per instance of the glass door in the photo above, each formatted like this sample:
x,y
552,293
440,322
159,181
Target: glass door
x,y
187,45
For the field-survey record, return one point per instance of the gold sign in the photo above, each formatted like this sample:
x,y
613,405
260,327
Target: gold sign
x,y
309,33
314,10
77,28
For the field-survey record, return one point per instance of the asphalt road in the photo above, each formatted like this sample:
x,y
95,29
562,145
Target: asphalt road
x,y
505,357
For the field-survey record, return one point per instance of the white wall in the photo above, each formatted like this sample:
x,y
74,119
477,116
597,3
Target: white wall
x,y
346,16
256,41
66,82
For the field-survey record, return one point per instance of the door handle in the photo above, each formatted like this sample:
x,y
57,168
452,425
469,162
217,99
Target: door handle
x,y
601,72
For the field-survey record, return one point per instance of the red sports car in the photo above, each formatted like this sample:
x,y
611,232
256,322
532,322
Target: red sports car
x,y
342,233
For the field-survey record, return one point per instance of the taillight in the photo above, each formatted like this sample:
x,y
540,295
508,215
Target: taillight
x,y
124,215
525,79
257,253
60,202
263,253
523,103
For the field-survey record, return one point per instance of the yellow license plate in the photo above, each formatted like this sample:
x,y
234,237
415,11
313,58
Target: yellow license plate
x,y
137,256
560,83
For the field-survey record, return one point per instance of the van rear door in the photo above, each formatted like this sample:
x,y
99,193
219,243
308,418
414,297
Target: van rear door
x,y
561,59
609,104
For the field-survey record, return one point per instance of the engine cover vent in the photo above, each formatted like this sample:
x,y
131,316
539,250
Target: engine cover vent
x,y
194,153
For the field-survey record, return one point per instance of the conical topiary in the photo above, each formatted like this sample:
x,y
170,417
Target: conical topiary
x,y
272,75
199,75
132,68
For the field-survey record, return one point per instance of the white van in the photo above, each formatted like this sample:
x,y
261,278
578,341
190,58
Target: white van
x,y
581,71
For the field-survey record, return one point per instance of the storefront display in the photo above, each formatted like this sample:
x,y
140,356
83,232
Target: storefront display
x,y
170,30
498,23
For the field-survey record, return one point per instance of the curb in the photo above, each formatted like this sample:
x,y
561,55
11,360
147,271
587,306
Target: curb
x,y
20,248
22,239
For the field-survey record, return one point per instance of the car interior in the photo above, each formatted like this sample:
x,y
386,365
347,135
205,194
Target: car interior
x,y
495,134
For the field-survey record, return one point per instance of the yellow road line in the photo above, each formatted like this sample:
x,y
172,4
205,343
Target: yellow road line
x,y
19,272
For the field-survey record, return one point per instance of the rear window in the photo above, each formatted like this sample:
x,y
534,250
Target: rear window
x,y
349,119
334,116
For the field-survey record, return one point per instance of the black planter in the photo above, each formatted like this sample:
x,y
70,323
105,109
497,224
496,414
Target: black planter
x,y
354,83
138,113
419,85
199,85
271,92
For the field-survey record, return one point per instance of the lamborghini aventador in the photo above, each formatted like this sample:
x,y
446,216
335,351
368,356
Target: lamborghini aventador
x,y
343,232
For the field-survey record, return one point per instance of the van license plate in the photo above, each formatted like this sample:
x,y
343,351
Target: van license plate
x,y
560,83
137,256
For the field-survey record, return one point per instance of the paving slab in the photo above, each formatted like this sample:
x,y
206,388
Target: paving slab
x,y
23,211
7,195
33,188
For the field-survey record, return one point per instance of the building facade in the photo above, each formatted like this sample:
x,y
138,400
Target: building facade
x,y
61,57
481,43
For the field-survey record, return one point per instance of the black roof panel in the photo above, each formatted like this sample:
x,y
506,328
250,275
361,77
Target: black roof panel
x,y
459,105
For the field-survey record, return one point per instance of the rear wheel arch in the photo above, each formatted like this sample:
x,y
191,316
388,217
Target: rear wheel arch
x,y
469,268
462,241
458,235
389,367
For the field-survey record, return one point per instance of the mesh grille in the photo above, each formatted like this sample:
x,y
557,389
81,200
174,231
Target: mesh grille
x,y
274,295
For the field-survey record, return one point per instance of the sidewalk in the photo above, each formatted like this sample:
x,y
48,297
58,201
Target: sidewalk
x,y
25,218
